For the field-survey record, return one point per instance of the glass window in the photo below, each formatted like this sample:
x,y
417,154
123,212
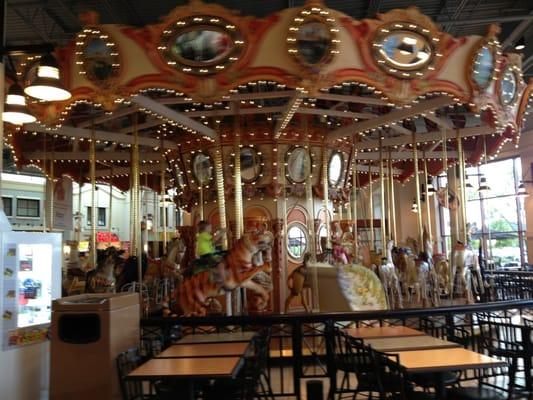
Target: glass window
x,y
28,208
101,217
335,169
161,216
297,241
8,206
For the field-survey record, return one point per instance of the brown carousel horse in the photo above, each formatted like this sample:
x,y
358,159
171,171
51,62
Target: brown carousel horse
x,y
199,284
102,279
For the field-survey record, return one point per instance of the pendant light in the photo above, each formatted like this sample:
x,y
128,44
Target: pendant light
x,y
522,191
521,44
414,206
47,85
15,108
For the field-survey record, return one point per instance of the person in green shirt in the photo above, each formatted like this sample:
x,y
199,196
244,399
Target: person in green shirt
x,y
206,251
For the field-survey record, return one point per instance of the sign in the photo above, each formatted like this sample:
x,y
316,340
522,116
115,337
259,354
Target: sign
x,y
26,336
62,198
106,237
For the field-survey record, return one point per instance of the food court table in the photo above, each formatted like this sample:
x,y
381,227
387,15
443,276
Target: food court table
x,y
191,369
441,360
217,337
409,343
383,332
235,349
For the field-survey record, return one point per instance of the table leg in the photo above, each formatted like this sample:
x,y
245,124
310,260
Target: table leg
x,y
440,387
191,389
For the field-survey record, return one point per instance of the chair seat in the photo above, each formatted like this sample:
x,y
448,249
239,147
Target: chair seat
x,y
474,393
427,380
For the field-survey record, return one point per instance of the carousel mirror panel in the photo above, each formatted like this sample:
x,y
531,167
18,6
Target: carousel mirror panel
x,y
251,164
298,164
202,168
508,87
296,240
483,66
335,166
201,45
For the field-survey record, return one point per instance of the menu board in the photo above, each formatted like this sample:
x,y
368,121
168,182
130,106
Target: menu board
x,y
26,292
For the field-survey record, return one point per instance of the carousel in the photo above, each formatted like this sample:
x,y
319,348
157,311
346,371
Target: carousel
x,y
297,144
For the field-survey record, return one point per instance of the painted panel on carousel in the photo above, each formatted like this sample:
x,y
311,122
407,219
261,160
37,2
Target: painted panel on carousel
x,y
484,64
298,164
201,44
251,164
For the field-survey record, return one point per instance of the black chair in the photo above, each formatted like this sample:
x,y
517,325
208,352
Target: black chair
x,y
528,322
127,361
392,380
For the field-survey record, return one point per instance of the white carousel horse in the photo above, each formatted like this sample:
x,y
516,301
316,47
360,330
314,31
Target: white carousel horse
x,y
465,269
389,279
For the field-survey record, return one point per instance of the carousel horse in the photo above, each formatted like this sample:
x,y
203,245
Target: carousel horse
x,y
465,269
169,266
297,281
339,253
442,270
102,278
389,279
406,262
433,286
199,282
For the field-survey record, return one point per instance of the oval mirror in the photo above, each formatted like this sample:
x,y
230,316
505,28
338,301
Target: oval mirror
x,y
201,46
508,87
250,164
335,168
405,50
483,67
313,41
298,164
296,241
98,60
202,168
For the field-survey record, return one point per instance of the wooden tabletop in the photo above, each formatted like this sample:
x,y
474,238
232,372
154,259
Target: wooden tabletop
x,y
201,368
383,332
236,349
405,343
436,360
217,337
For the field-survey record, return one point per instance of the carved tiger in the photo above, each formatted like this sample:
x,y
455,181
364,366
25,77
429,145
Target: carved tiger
x,y
193,292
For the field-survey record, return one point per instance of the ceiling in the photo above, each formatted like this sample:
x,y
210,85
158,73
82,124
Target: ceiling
x,y
56,21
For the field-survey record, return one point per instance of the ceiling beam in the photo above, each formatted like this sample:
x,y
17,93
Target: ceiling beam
x,y
350,99
426,137
100,173
104,118
290,109
392,117
100,155
172,115
443,123
103,136
517,32
397,155
375,169
334,113
487,20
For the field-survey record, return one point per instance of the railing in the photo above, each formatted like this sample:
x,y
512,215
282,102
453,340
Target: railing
x,y
509,285
299,338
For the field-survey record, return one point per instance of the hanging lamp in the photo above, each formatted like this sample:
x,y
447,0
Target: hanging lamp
x,y
414,206
15,108
47,84
483,185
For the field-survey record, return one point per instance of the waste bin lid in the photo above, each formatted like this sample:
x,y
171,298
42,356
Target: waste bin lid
x,y
95,302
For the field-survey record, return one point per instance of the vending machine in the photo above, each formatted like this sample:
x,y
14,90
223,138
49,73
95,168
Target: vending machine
x,y
31,279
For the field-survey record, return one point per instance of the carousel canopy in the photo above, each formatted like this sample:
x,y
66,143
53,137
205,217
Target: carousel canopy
x,y
360,83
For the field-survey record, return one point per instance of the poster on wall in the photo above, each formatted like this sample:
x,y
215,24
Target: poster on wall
x,y
63,204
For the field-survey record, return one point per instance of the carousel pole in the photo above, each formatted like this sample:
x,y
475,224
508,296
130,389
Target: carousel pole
x,y
309,199
51,190
388,199
110,207
392,203
417,185
163,196
382,198
45,157
371,208
92,158
428,208
136,232
221,199
325,187
445,172
354,202
80,220
460,151
240,299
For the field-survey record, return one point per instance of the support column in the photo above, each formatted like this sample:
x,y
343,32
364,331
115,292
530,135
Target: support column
x,y
382,199
417,191
325,187
277,264
163,197
461,187
393,232
371,208
428,206
92,160
354,205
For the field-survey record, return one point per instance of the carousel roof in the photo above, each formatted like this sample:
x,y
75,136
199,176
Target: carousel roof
x,y
203,77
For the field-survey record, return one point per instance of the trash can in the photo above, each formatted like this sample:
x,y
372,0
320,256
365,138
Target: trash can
x,y
88,332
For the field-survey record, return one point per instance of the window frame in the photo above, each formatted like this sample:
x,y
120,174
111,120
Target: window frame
x,y
303,228
32,199
11,199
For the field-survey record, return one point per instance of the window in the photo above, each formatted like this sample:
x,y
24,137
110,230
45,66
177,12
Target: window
x,y
101,220
8,206
166,209
297,241
495,219
28,208
179,217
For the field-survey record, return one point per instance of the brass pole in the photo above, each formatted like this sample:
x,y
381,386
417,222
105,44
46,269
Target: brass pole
x,y
239,218
392,203
309,198
371,207
428,207
163,196
354,203
221,199
92,158
382,198
135,243
110,207
80,219
155,223
52,189
462,220
388,199
340,215
45,211
417,186
445,172
325,186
